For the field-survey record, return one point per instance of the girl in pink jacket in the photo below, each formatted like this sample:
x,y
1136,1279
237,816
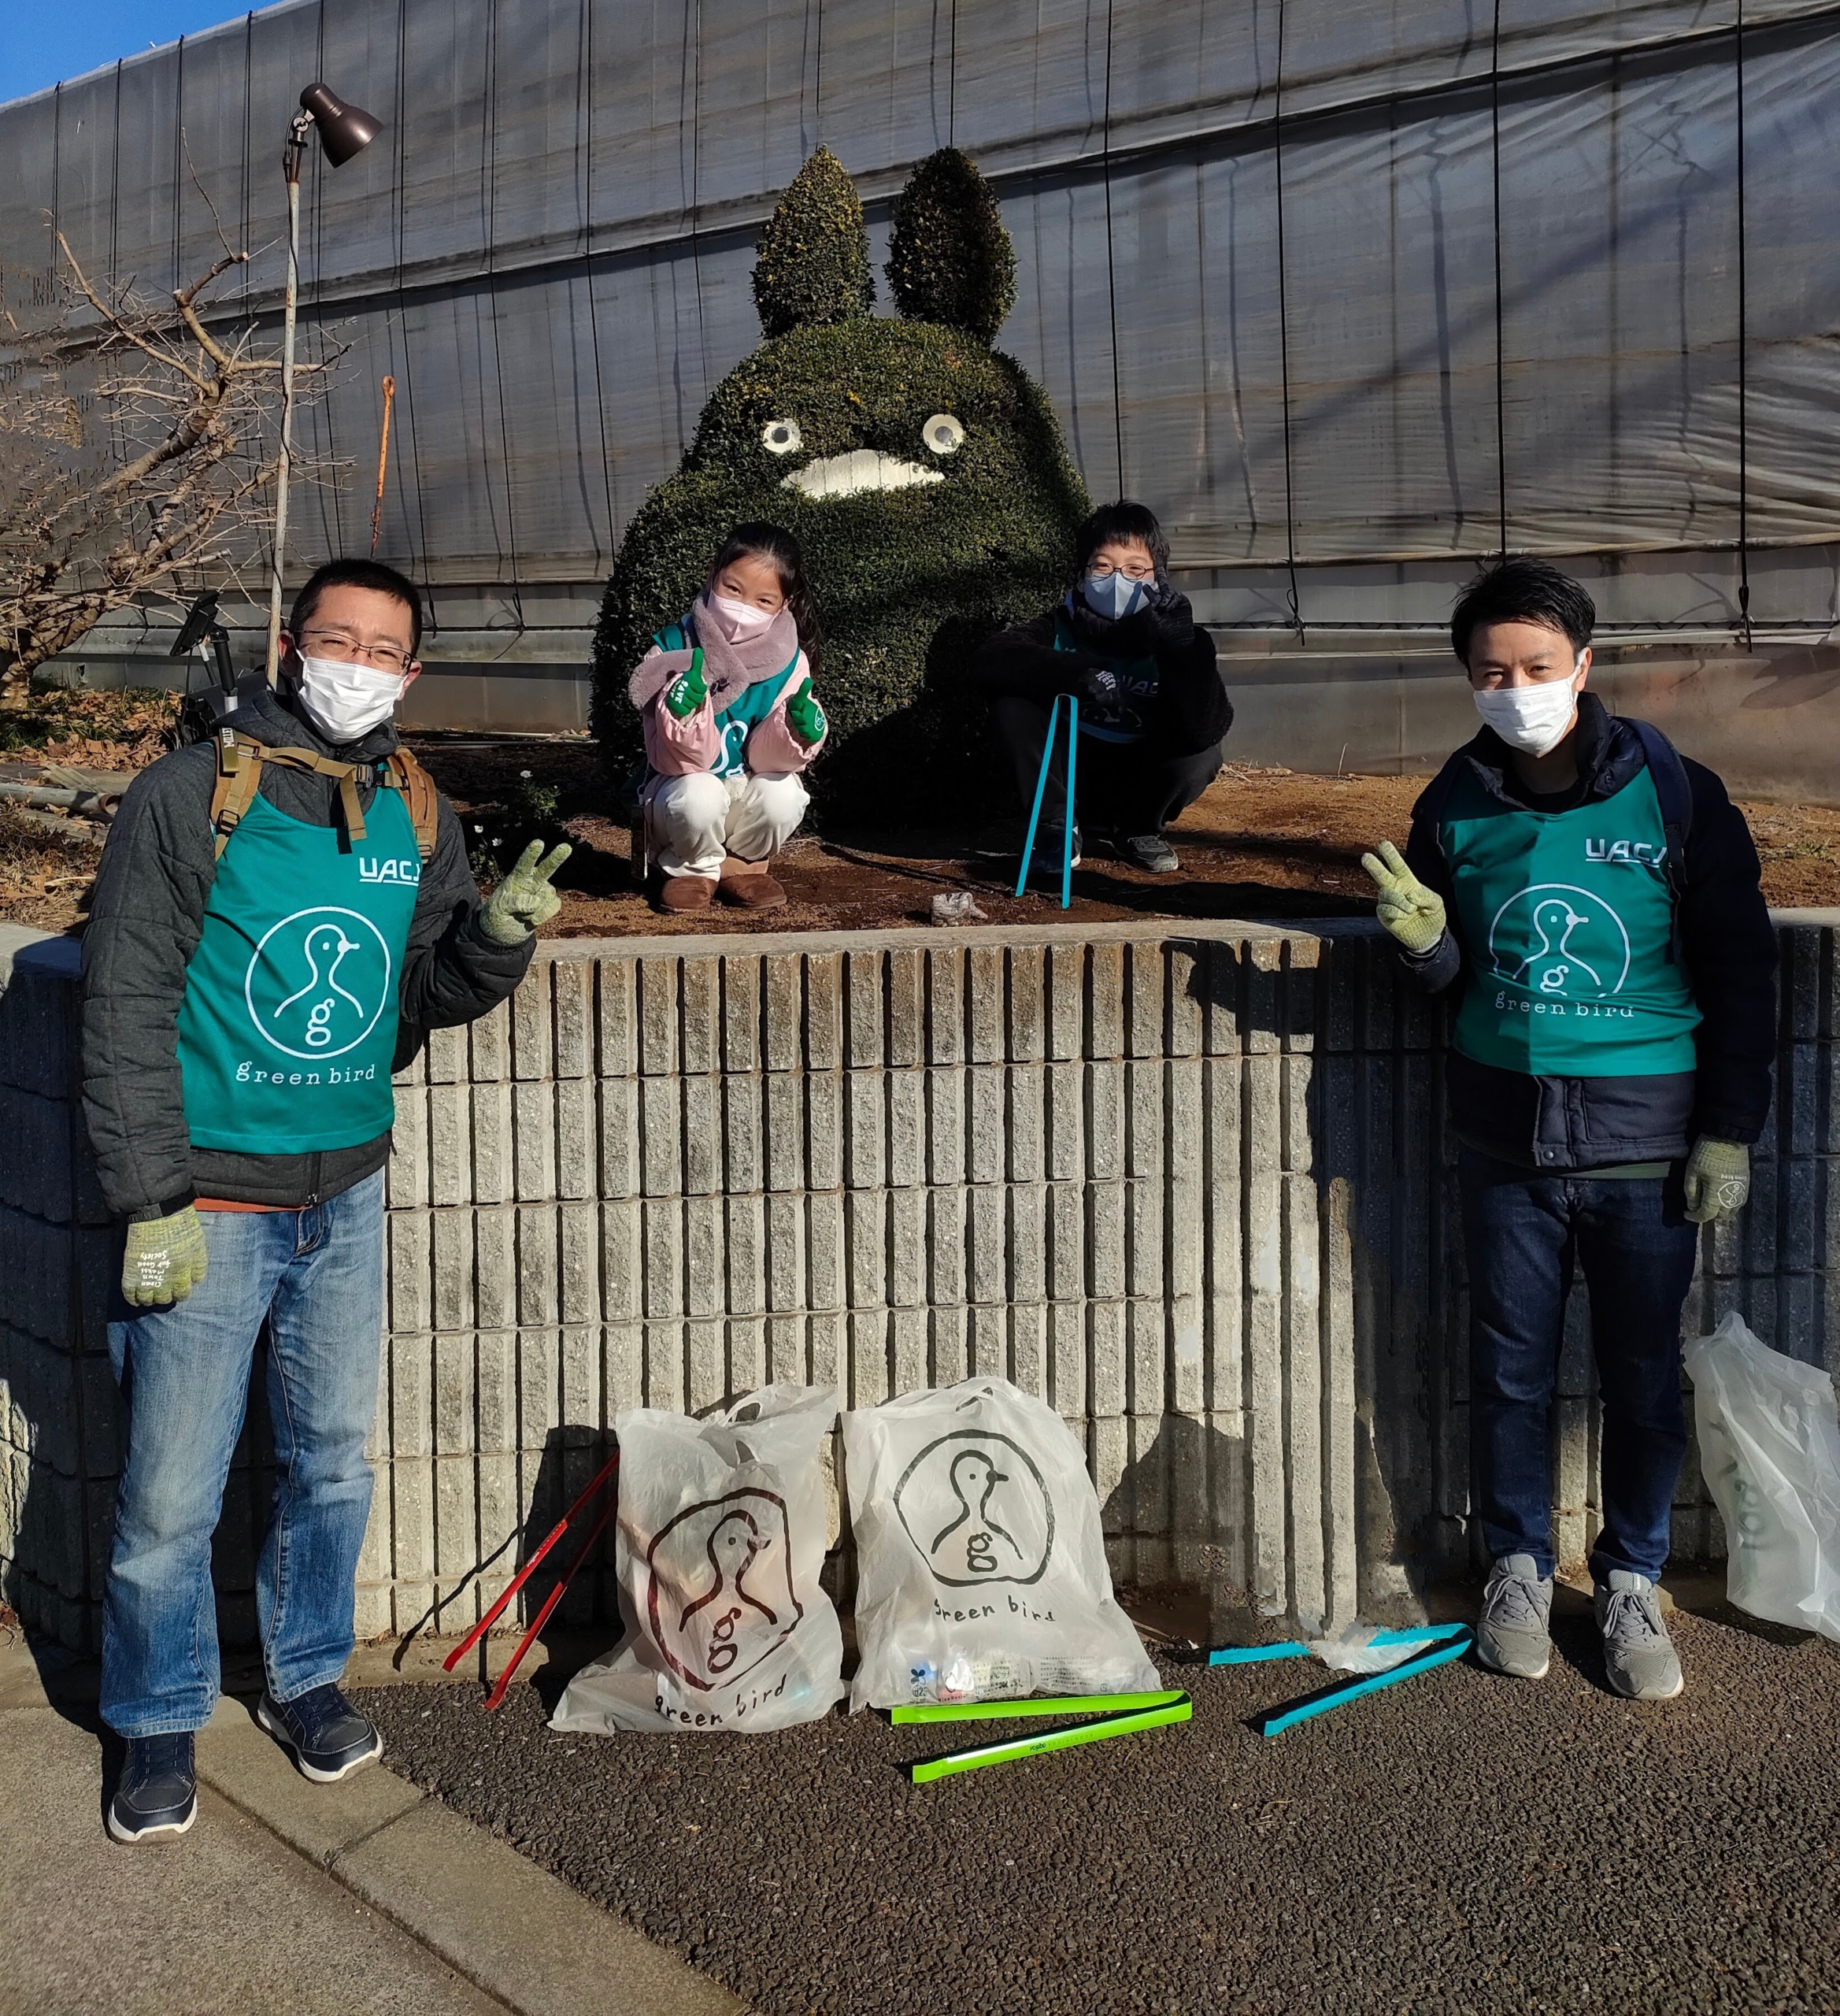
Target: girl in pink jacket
x,y
731,720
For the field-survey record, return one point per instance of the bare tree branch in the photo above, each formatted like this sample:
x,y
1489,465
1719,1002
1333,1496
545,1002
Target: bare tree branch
x,y
131,457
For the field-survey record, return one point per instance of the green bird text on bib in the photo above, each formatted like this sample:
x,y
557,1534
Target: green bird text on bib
x,y
287,1030
1569,924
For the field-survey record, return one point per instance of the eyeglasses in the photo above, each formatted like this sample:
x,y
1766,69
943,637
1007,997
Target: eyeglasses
x,y
1132,570
336,644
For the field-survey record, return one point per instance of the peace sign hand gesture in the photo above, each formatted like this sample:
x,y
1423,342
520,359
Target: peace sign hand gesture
x,y
524,898
1411,913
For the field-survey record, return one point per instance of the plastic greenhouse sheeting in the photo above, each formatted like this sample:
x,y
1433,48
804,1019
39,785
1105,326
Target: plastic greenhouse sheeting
x,y
1331,286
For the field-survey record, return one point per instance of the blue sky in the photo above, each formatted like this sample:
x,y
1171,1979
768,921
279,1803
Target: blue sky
x,y
45,43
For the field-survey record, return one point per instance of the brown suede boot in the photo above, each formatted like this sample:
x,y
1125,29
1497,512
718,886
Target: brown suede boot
x,y
747,885
682,894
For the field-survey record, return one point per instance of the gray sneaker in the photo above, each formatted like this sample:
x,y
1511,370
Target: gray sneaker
x,y
1639,1660
1511,1635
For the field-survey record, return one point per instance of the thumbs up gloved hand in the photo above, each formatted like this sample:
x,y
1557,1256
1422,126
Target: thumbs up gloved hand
x,y
164,1259
688,691
805,717
524,898
1717,1179
1411,913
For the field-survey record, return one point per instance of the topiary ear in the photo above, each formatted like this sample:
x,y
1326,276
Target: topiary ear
x,y
949,258
812,262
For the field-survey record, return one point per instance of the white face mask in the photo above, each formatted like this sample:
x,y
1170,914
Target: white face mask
x,y
737,620
1533,719
344,701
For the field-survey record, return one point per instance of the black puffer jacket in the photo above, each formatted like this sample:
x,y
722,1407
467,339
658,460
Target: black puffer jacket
x,y
1730,949
158,869
1192,712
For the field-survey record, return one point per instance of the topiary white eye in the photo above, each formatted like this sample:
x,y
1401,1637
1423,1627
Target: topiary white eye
x,y
781,437
943,434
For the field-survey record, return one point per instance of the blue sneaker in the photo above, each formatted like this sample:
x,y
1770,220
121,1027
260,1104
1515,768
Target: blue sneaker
x,y
327,1735
158,1791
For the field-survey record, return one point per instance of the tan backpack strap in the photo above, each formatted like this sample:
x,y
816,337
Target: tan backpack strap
x,y
239,776
345,774
422,798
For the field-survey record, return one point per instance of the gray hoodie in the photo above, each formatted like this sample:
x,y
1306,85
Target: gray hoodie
x,y
158,869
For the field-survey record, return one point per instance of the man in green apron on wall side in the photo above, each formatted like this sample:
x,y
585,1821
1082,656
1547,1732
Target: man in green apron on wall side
x,y
1595,897
280,917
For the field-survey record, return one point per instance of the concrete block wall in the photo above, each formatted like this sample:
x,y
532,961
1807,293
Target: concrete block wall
x,y
1193,1184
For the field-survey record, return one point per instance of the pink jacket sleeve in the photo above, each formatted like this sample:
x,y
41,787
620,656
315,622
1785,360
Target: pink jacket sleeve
x,y
674,748
772,748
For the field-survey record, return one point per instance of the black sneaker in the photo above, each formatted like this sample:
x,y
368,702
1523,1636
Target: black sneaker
x,y
1045,864
1149,851
158,1792
327,1735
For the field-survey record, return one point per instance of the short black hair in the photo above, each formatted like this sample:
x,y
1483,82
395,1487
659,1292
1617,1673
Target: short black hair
x,y
371,574
1123,520
1523,592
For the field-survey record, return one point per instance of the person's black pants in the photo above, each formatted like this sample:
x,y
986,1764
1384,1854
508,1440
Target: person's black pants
x,y
1124,787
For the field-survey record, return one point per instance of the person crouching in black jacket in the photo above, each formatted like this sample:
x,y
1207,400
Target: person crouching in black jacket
x,y
1152,709
1592,899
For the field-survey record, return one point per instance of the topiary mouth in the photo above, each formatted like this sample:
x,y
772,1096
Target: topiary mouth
x,y
862,468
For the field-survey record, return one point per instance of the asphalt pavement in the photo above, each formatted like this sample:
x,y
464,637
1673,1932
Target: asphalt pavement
x,y
1461,1843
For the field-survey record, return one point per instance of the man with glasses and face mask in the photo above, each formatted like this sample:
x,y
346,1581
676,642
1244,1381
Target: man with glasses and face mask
x,y
280,917
1593,897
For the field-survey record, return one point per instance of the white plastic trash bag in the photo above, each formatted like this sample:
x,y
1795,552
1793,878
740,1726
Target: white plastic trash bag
x,y
981,1568
720,1543
1769,1446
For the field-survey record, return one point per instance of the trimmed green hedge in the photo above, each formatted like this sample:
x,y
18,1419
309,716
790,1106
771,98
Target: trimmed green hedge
x,y
949,258
908,581
812,265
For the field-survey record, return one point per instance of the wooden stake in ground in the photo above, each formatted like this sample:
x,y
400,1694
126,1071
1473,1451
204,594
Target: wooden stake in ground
x,y
383,463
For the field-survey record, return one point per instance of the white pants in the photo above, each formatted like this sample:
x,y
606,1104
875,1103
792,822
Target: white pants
x,y
699,818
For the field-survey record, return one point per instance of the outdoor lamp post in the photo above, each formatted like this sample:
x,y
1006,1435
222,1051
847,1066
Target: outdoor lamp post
x,y
343,130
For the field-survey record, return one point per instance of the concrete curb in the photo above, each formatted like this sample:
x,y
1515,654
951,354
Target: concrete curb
x,y
510,1928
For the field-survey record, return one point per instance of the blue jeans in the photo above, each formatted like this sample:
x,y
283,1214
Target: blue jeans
x,y
1523,1231
316,1277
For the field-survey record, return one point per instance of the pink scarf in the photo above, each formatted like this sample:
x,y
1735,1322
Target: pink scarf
x,y
728,669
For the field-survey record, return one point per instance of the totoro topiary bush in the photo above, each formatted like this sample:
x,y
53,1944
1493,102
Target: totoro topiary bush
x,y
924,476
812,264
949,258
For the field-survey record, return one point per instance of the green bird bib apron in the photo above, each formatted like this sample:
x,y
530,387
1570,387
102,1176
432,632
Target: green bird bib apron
x,y
287,1030
744,714
1127,719
1569,926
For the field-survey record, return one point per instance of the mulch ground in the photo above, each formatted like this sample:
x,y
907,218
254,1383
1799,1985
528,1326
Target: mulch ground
x,y
1463,1843
1260,844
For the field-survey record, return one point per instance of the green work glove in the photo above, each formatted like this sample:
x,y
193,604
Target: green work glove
x,y
1718,1179
1413,914
524,898
805,717
164,1259
687,692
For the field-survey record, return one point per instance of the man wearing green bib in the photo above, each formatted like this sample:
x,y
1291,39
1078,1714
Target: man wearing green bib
x,y
1595,898
280,917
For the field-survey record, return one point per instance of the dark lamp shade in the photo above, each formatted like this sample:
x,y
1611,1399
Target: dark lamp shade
x,y
343,129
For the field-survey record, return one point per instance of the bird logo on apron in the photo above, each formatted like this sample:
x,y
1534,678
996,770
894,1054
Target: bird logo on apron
x,y
317,982
1557,940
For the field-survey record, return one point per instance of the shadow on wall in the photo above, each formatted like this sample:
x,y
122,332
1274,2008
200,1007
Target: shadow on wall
x,y
1311,1458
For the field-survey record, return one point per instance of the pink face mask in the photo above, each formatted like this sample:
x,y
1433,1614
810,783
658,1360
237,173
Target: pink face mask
x,y
738,621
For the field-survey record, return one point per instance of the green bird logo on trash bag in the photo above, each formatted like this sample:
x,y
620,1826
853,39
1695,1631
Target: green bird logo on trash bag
x,y
923,473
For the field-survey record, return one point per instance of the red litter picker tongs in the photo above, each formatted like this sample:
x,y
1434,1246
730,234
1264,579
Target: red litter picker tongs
x,y
603,1475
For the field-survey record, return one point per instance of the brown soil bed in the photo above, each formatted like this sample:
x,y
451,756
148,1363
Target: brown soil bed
x,y
1260,844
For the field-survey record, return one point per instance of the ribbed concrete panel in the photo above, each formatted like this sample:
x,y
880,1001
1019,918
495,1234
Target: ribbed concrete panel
x,y
1194,1186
